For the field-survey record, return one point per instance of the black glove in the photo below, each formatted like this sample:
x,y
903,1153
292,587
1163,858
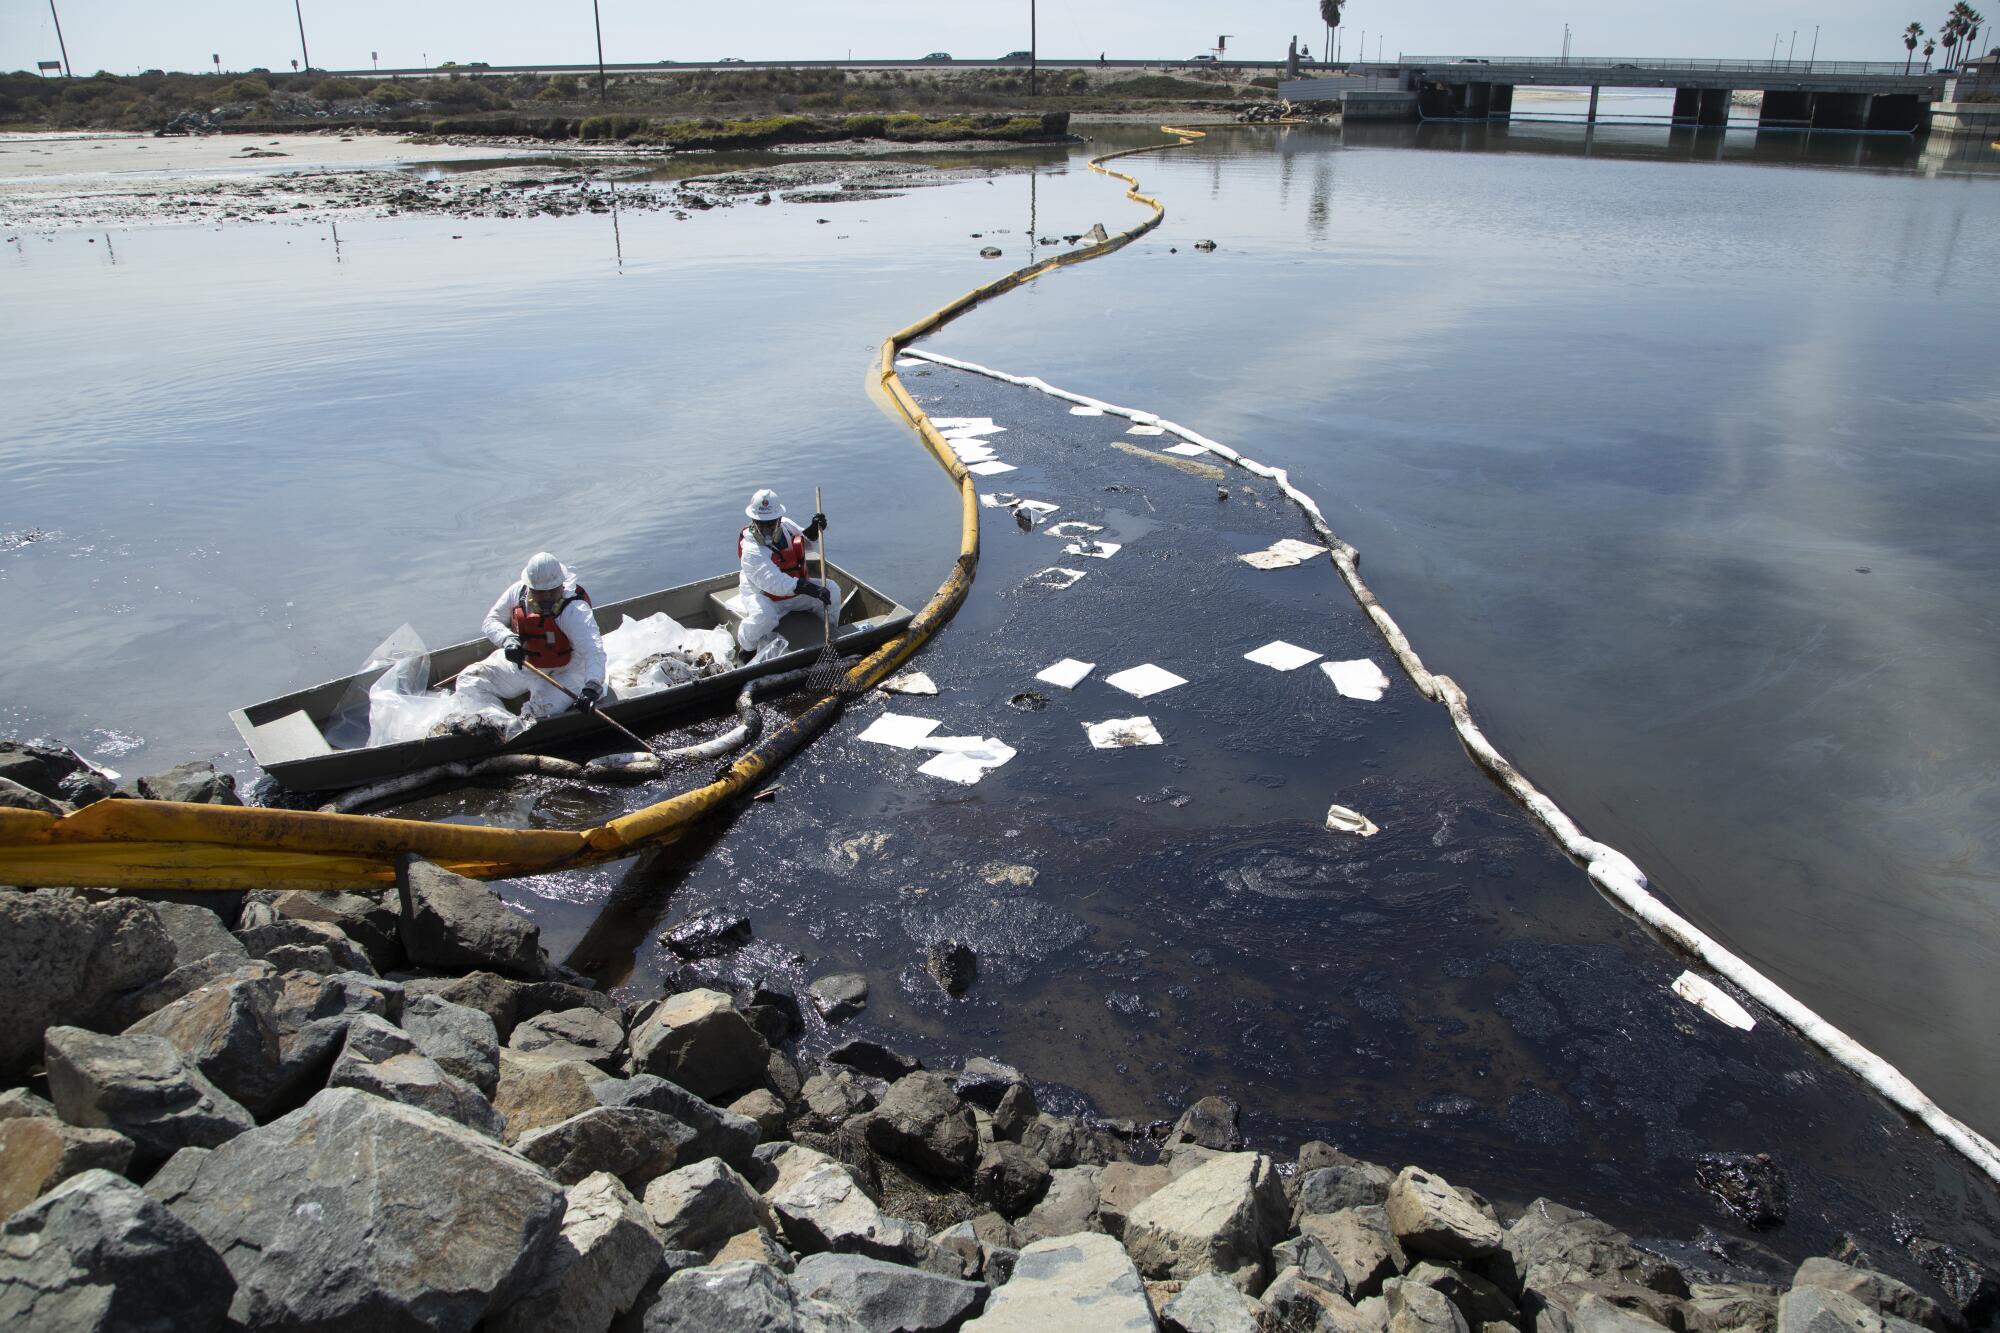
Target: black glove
x,y
515,653
816,591
816,527
587,697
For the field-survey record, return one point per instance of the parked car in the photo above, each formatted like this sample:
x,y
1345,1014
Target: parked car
x,y
938,58
1471,60
730,60
1203,59
1016,58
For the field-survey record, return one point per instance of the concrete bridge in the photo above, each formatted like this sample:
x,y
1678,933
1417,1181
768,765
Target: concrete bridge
x,y
1798,94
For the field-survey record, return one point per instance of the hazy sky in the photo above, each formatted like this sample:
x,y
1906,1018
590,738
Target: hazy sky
x,y
128,35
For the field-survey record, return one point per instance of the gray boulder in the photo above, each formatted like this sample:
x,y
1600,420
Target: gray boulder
x,y
834,1095
1123,1187
1431,1218
382,1059
96,1253
1210,1304
696,1039
37,1153
1477,1299
196,932
1297,1302
762,1108
701,1205
1730,1307
1328,1189
1010,1178
596,1269
1416,1308
576,1033
1015,1112
228,1029
1878,1291
66,960
1068,1207
1360,1242
889,1296
286,944
357,1212
983,1082
632,1144
873,1059
195,782
370,920
143,1088
1592,1313
711,1130
496,997
1551,1246
313,1011
744,1295
460,1038
536,1090
1310,1256
839,997
14,796
41,768
451,923
1061,1141
1069,1284
820,1204
1211,1122
922,1122
19,1103
1222,1217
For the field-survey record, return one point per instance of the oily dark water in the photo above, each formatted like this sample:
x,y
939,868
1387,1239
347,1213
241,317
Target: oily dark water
x,y
1614,418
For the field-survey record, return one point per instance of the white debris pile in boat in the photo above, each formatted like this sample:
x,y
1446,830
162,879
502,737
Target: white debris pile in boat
x,y
658,653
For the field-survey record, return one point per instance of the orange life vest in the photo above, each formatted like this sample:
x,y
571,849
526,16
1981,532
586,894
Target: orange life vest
x,y
543,640
790,558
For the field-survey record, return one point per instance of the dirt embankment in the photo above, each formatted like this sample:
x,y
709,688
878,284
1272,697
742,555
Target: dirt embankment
x,y
50,183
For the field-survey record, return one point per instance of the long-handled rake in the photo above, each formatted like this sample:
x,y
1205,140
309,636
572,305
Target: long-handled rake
x,y
827,672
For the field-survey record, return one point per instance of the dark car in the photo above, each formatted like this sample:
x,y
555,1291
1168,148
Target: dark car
x,y
938,58
730,60
1016,58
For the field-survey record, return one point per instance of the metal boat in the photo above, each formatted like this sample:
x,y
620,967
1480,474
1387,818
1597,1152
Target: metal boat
x,y
287,735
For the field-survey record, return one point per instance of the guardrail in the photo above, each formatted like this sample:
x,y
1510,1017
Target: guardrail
x,y
1883,67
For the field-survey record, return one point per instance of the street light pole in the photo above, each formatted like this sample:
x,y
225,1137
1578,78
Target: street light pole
x,y
1032,54
60,45
305,57
1815,47
598,22
1793,49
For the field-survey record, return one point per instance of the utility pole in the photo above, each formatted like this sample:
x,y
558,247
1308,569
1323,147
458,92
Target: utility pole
x,y
598,22
1793,49
1815,49
60,46
305,57
1032,55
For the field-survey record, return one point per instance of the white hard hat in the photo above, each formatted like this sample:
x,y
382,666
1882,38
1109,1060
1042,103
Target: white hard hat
x,y
544,572
764,507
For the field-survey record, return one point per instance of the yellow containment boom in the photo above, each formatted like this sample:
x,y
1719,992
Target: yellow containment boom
x,y
171,845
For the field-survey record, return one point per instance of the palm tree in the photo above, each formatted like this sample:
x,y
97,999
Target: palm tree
x,y
1910,36
1329,13
1948,36
1971,21
1930,49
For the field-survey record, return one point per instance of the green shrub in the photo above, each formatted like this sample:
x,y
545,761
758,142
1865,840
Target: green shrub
x,y
866,127
245,90
392,93
333,90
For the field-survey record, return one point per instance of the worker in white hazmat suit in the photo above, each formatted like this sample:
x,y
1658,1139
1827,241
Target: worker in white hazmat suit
x,y
773,582
544,619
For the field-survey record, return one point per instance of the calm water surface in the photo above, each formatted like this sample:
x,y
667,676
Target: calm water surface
x,y
1678,451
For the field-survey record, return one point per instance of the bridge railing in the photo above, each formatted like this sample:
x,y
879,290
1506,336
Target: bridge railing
x,y
1840,67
